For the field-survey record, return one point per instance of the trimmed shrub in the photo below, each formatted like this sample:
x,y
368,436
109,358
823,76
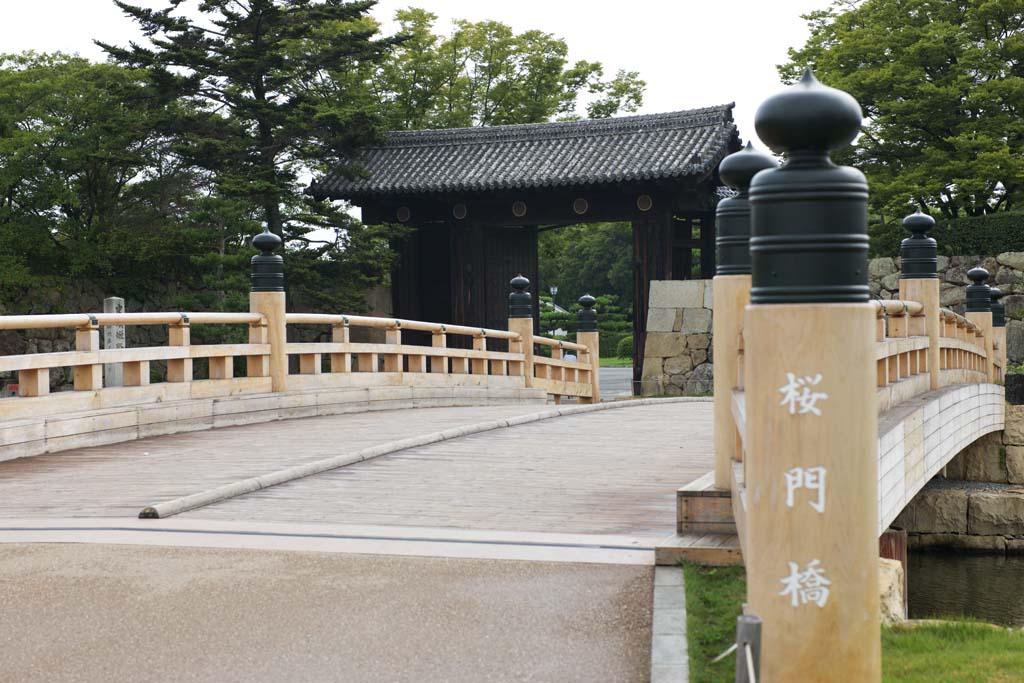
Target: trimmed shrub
x,y
983,235
624,349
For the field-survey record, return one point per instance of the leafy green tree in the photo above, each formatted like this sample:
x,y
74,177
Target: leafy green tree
x,y
942,85
590,258
88,190
275,90
485,74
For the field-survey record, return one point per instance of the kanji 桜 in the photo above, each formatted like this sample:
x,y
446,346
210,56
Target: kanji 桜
x,y
797,394
808,586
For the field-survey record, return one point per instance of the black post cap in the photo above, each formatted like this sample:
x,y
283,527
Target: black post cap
x,y
520,303
267,267
919,253
809,235
978,294
732,217
588,316
998,307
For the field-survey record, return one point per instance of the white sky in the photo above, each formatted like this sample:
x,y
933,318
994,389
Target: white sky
x,y
692,53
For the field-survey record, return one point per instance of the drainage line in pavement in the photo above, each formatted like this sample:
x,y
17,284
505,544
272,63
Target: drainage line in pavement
x,y
343,537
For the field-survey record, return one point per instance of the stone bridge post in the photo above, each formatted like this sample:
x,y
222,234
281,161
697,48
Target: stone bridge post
x,y
811,442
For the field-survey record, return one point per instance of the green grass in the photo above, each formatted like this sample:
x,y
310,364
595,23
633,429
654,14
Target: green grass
x,y
952,652
943,652
616,362
714,596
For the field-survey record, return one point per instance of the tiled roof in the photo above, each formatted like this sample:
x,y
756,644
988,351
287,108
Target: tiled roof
x,y
593,151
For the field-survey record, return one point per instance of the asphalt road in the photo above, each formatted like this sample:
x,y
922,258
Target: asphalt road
x,y
127,613
616,382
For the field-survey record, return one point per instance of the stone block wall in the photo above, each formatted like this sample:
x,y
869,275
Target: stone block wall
x,y
677,354
979,504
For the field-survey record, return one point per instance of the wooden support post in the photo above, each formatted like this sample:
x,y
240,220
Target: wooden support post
x,y
731,294
979,312
792,450
35,382
179,369
587,334
272,306
267,298
811,406
926,292
88,377
340,362
593,343
520,321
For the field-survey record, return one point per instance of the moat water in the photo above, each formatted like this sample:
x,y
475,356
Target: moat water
x,y
986,587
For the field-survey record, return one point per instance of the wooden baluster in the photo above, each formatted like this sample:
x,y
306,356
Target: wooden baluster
x,y
310,363
222,367
393,337
341,362
480,365
135,373
257,366
88,377
179,369
34,382
439,340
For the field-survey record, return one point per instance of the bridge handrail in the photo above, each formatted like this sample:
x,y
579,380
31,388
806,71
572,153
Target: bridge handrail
x,y
396,323
75,320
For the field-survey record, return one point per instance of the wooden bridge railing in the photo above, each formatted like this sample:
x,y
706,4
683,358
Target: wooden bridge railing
x,y
340,362
805,361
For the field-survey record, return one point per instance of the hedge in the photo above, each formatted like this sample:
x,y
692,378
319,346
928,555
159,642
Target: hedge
x,y
974,235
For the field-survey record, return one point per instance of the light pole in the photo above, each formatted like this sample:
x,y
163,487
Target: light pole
x,y
554,290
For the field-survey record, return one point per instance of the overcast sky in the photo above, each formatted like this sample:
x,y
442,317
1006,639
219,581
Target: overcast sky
x,y
691,53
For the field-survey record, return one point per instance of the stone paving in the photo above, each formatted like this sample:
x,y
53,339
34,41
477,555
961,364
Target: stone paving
x,y
606,472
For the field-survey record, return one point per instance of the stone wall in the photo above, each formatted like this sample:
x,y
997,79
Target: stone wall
x,y
677,354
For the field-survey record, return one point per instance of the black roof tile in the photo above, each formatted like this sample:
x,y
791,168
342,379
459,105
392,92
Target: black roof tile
x,y
593,151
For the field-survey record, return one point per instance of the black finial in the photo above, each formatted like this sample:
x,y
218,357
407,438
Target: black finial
x,y
808,116
919,252
267,267
978,299
588,316
998,308
809,227
732,217
520,303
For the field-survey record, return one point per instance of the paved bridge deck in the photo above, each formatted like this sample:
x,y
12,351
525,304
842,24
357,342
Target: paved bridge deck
x,y
606,472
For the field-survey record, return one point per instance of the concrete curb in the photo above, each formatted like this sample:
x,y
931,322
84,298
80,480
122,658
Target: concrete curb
x,y
239,488
670,661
